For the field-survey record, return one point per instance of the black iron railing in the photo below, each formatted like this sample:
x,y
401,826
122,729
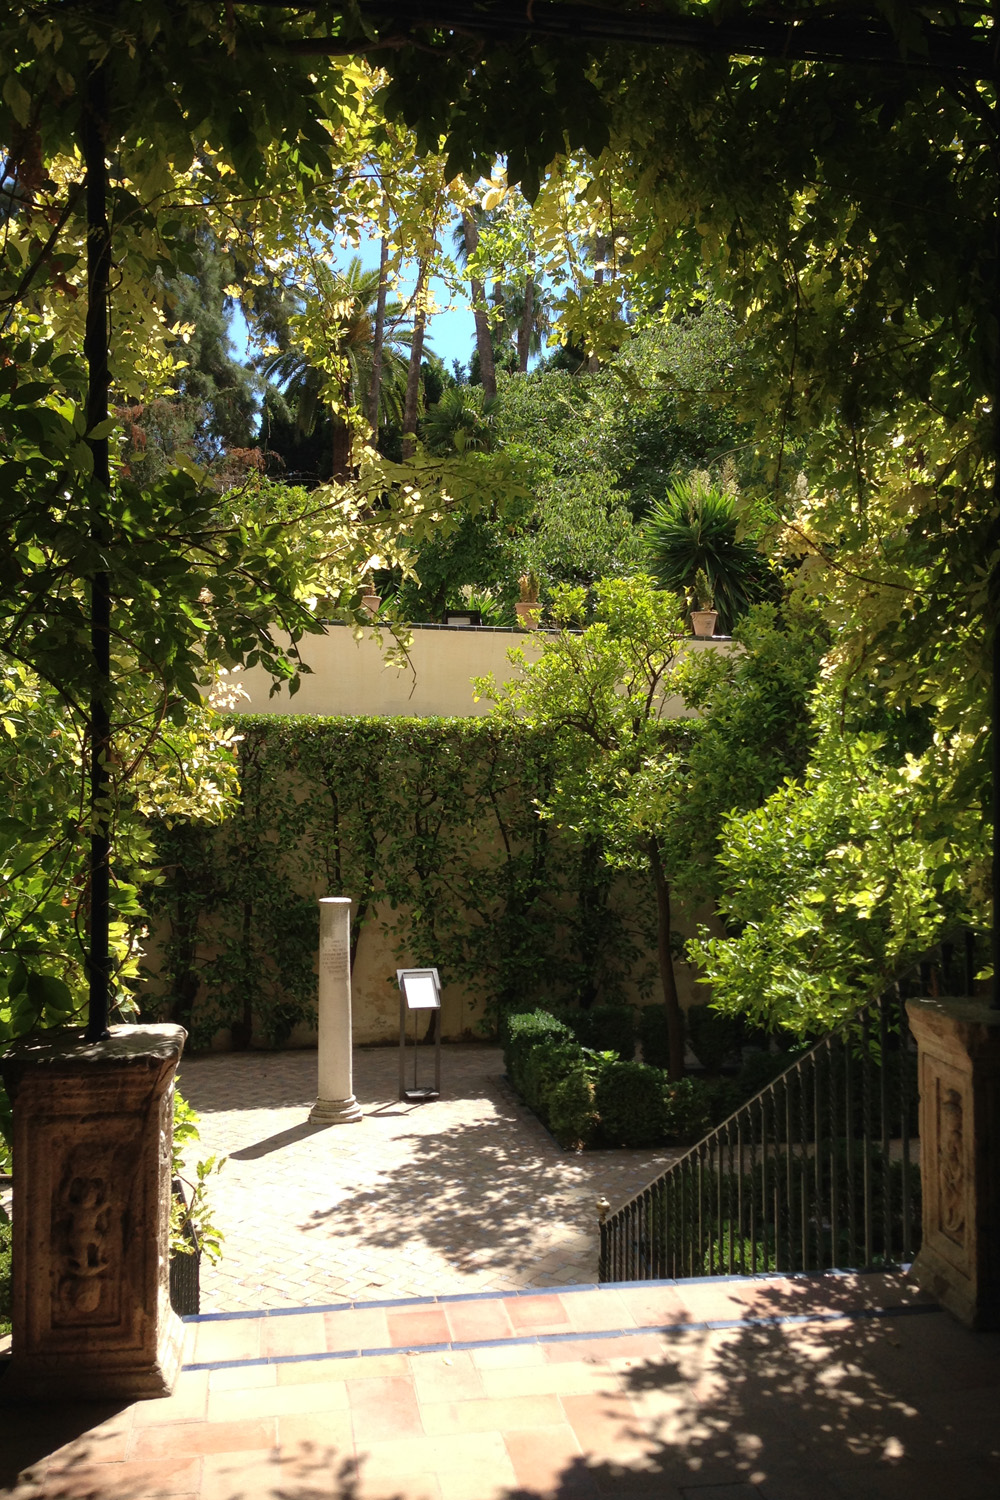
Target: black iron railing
x,y
819,1170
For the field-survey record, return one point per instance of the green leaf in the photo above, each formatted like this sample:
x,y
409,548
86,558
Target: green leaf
x,y
18,98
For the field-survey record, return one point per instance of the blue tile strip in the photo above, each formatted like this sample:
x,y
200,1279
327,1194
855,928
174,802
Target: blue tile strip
x,y
790,1320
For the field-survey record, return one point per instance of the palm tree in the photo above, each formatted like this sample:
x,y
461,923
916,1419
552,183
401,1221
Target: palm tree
x,y
461,422
523,319
695,529
467,241
346,319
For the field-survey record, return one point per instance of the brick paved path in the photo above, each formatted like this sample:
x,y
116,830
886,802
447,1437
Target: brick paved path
x,y
466,1194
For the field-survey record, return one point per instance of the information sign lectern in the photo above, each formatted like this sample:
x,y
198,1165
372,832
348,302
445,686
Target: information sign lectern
x,y
419,990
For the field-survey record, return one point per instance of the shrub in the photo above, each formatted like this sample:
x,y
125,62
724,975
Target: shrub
x,y
629,1097
687,1108
713,1036
654,1036
758,1070
520,1031
545,1067
603,1028
572,1113
725,1095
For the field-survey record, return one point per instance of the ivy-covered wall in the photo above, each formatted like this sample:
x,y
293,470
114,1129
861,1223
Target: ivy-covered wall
x,y
430,826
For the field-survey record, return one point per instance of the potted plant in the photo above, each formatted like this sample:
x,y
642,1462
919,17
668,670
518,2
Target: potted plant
x,y
528,608
703,612
371,602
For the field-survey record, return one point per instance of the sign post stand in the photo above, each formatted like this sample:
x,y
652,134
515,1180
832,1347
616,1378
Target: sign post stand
x,y
419,990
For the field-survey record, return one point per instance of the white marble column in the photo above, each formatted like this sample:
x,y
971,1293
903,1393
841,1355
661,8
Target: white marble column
x,y
336,1104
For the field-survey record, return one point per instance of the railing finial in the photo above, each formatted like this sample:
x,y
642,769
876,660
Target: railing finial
x,y
603,1209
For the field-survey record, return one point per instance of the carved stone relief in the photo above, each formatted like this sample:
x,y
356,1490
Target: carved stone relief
x,y
951,1145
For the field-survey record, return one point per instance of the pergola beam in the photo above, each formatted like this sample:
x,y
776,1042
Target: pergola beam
x,y
863,40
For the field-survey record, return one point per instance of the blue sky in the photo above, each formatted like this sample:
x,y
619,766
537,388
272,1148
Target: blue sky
x,y
450,333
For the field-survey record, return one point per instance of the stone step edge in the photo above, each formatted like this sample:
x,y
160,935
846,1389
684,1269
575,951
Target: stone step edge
x,y
789,1320
761,1278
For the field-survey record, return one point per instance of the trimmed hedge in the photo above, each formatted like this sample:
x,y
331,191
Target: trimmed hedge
x,y
603,1028
589,1096
654,1035
714,1037
631,1103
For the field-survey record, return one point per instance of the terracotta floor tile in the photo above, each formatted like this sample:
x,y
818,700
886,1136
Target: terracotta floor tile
x,y
184,1438
711,1301
446,1377
539,1380
508,1357
654,1306
608,1427
301,1333
416,1487
121,1481
410,1327
593,1312
478,1320
242,1377
332,1430
549,1461
477,1456
959,1480
308,1474
383,1409
108,1443
542,1314
357,1328
188,1402
633,1346
277,1400
237,1338
441,1417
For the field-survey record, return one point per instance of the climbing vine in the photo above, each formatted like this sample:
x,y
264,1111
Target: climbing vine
x,y
431,826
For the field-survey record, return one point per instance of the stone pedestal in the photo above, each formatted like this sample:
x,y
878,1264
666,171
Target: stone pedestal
x,y
93,1124
959,1260
336,1104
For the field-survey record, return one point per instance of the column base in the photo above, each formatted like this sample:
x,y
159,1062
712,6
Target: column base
x,y
336,1111
36,1378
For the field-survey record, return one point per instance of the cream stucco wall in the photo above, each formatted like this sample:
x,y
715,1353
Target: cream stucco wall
x,y
351,677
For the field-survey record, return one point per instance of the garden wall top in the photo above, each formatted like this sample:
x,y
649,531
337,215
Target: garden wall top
x,y
351,677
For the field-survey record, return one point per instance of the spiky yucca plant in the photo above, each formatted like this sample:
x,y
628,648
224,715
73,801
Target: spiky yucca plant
x,y
694,529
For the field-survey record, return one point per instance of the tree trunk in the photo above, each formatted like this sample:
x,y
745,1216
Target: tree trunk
x,y
416,358
95,349
484,343
378,340
524,328
340,456
675,1018
600,251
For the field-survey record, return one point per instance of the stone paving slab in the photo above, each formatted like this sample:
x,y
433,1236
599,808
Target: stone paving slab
x,y
466,1193
821,1388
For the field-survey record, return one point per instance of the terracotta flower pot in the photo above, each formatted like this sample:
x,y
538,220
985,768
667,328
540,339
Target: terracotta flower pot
x,y
372,603
528,615
703,623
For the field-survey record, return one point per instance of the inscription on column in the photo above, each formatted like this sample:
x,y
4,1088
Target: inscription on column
x,y
334,957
